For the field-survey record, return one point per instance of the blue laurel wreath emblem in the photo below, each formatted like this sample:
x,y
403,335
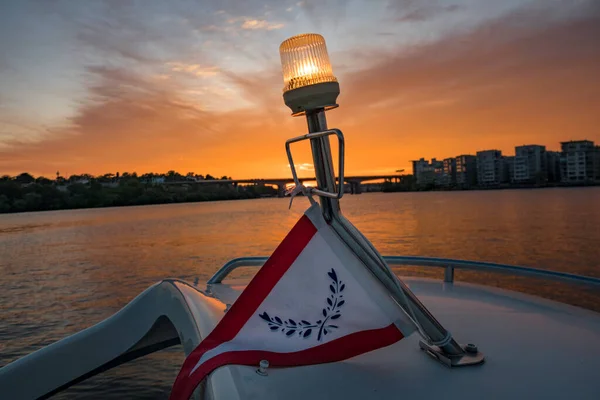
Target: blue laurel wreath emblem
x,y
305,329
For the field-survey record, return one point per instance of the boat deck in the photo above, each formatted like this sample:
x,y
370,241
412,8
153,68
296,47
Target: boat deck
x,y
534,348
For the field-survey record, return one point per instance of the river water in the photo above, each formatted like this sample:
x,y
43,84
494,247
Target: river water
x,y
63,271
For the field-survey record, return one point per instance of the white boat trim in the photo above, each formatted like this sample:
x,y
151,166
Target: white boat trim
x,y
448,264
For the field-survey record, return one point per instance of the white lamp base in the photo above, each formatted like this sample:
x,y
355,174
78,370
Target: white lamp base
x,y
318,96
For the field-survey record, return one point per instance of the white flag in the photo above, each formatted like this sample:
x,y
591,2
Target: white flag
x,y
312,302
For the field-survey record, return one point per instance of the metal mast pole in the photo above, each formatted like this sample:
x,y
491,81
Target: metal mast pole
x,y
323,163
440,344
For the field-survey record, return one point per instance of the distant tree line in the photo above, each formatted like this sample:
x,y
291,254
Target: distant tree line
x,y
25,192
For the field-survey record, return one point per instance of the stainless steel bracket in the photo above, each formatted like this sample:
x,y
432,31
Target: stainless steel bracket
x,y
471,355
315,135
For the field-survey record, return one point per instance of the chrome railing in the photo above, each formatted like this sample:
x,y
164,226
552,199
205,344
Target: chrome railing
x,y
448,264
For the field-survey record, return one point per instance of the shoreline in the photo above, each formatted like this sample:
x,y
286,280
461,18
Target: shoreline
x,y
389,190
506,186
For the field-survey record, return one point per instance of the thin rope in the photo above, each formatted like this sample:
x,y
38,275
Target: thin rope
x,y
296,190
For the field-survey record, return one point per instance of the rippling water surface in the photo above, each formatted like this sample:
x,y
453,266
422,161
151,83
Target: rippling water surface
x,y
63,271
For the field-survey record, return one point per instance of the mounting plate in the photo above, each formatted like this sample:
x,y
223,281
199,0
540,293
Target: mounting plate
x,y
470,356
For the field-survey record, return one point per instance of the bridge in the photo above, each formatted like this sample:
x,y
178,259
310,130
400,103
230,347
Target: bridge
x,y
281,183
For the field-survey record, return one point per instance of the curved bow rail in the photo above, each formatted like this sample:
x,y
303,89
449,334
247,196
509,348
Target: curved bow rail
x,y
448,264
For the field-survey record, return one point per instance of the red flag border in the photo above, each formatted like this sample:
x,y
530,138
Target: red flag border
x,y
246,305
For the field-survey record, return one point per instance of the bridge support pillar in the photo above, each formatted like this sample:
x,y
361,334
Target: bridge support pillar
x,y
355,187
281,190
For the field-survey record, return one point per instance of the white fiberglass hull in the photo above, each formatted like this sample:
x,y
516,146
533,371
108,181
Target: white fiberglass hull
x,y
534,349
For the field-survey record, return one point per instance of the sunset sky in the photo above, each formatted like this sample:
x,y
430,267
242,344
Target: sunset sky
x,y
115,85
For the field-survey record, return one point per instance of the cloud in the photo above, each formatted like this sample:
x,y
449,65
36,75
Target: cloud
x,y
193,69
323,13
130,122
304,167
420,10
17,130
494,54
262,90
214,28
249,23
256,24
527,77
124,112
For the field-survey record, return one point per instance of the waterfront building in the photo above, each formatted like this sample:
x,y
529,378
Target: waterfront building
x,y
579,161
490,170
466,171
530,164
448,177
553,166
508,165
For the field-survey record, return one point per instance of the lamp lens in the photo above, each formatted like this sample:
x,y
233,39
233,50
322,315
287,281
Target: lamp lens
x,y
304,61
